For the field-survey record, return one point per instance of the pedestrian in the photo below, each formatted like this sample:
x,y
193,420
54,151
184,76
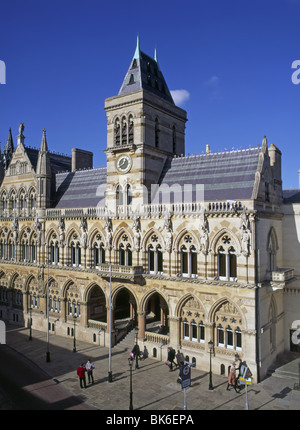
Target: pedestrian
x,y
232,378
89,370
171,356
81,375
136,354
179,357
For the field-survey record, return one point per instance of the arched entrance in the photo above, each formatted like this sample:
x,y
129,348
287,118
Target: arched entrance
x,y
96,309
157,312
125,307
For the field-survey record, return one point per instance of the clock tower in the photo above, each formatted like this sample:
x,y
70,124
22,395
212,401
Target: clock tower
x,y
144,129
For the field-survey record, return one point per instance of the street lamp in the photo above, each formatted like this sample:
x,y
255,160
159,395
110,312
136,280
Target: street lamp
x,y
48,352
74,340
210,346
130,361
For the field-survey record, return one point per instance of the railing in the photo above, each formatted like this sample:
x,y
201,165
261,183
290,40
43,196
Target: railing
x,y
157,338
116,268
98,325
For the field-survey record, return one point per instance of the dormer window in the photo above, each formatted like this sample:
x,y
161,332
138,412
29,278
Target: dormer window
x,y
131,79
134,64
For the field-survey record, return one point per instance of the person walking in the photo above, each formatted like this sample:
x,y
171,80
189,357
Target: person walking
x,y
89,370
232,378
81,375
179,358
171,356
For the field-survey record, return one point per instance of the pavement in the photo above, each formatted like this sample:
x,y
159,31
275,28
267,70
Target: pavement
x,y
154,387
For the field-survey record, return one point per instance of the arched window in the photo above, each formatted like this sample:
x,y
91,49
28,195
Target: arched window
x,y
75,254
124,131
226,260
155,258
125,255
128,195
130,130
188,257
228,327
117,132
119,195
99,254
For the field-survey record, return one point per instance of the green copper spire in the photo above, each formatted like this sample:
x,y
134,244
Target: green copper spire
x,y
137,49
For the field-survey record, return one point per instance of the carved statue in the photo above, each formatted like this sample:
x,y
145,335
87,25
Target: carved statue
x,y
83,227
38,227
61,226
108,239
21,128
169,233
204,233
245,233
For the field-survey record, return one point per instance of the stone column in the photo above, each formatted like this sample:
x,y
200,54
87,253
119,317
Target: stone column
x,y
174,327
141,325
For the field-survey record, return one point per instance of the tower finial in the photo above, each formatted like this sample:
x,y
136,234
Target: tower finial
x,y
137,49
155,54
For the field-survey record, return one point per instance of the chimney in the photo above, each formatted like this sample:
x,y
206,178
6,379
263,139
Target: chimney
x,y
81,159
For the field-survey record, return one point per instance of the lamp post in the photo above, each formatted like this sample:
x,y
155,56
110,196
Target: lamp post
x,y
48,352
210,346
137,349
74,339
109,346
130,361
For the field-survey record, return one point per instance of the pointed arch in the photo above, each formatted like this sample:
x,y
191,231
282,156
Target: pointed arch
x,y
180,237
217,237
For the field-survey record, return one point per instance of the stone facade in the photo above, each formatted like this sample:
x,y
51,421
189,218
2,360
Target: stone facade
x,y
183,272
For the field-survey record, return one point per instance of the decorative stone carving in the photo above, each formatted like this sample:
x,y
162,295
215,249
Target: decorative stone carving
x,y
38,228
168,235
62,235
204,233
245,234
83,228
108,238
136,232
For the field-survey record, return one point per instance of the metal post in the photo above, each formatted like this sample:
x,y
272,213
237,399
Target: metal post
x,y
74,337
136,352
210,369
30,322
109,347
184,403
130,386
48,352
246,391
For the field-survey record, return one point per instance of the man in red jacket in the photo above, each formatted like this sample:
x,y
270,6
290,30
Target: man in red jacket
x,y
81,375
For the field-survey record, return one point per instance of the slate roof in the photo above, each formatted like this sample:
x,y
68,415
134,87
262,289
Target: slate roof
x,y
58,162
144,73
225,176
291,196
80,189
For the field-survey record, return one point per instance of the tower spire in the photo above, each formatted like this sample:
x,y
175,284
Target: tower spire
x,y
137,49
8,150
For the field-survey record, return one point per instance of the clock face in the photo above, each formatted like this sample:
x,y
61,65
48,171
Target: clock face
x,y
123,163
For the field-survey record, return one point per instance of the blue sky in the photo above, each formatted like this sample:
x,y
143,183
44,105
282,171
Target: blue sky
x,y
232,60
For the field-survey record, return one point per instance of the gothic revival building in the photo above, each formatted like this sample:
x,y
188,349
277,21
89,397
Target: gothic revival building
x,y
188,249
